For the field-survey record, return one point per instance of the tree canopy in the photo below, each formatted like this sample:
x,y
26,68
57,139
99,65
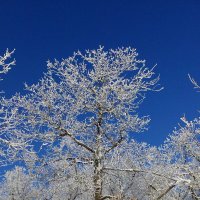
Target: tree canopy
x,y
71,136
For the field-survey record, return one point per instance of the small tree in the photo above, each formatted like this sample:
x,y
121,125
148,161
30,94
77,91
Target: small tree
x,y
83,109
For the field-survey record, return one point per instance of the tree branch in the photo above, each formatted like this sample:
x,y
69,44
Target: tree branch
x,y
66,133
107,197
139,171
166,191
115,144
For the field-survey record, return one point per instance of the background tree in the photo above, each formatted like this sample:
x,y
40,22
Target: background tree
x,y
18,185
5,65
183,150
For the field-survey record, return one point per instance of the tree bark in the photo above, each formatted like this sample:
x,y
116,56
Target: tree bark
x,y
98,175
98,159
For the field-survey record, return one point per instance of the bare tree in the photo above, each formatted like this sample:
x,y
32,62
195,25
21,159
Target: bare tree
x,y
83,109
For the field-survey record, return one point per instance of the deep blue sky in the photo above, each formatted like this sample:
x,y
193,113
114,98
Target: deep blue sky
x,y
164,32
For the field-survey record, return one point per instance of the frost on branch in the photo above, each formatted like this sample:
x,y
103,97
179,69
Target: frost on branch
x,y
4,63
195,84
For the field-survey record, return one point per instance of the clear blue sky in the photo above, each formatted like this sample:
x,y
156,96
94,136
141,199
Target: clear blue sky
x,y
164,32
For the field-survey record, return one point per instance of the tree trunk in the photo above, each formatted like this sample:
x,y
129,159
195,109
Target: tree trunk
x,y
98,176
98,159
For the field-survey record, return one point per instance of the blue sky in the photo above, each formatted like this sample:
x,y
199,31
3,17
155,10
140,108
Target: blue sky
x,y
166,33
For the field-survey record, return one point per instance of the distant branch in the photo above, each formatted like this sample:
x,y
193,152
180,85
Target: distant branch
x,y
196,86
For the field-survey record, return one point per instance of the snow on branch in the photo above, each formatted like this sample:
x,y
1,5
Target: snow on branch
x,y
4,63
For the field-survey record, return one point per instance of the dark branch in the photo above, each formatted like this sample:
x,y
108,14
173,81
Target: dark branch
x,y
66,133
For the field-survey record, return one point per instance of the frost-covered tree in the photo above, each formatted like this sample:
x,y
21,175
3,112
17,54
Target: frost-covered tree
x,y
5,65
73,135
181,155
18,185
84,108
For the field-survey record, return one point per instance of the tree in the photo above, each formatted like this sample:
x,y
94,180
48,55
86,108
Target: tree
x,y
181,154
72,133
5,66
18,185
83,109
